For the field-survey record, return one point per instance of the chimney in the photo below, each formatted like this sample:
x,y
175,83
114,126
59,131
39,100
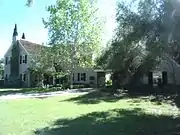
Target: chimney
x,y
23,36
15,33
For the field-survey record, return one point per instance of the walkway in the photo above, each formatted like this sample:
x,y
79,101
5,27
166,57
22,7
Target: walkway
x,y
47,94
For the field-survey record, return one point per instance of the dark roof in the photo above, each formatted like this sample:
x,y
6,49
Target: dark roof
x,y
30,47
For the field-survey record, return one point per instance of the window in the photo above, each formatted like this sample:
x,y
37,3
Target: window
x,y
25,59
92,78
24,77
164,77
21,77
78,76
83,76
20,59
6,62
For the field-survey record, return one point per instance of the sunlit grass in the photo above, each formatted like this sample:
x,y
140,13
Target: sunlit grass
x,y
24,116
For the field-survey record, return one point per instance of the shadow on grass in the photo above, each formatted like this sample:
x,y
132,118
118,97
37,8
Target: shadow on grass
x,y
97,96
113,122
154,95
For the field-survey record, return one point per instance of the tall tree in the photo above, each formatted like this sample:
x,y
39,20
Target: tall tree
x,y
75,32
29,3
140,37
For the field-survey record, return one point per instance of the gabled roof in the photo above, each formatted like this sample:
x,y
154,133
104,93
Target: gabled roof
x,y
31,48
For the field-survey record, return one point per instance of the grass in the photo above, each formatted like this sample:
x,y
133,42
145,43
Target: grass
x,y
63,115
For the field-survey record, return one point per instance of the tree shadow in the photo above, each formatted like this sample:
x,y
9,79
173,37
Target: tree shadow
x,y
113,122
97,96
169,96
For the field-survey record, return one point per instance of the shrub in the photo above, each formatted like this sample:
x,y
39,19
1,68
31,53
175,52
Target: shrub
x,y
109,83
78,86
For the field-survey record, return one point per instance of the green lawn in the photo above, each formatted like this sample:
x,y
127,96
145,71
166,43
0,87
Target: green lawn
x,y
64,115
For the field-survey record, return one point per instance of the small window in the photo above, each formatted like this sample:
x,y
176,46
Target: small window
x,y
20,59
78,76
92,78
25,59
83,76
24,77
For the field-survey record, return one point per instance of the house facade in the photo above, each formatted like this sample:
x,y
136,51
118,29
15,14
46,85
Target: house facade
x,y
18,60
167,72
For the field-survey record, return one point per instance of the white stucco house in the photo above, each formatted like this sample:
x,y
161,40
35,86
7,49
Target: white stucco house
x,y
16,71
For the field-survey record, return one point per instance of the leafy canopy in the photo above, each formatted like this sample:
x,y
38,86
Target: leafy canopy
x,y
75,31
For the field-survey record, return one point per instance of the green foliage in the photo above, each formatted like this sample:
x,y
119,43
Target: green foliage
x,y
109,83
42,62
29,3
140,39
74,31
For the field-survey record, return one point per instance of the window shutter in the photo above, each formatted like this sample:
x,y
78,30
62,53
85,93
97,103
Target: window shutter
x,y
84,74
24,77
78,76
20,59
26,59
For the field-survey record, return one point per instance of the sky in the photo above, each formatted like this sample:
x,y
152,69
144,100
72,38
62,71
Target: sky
x,y
29,20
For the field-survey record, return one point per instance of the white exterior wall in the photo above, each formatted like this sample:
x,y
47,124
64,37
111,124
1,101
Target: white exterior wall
x,y
23,66
89,72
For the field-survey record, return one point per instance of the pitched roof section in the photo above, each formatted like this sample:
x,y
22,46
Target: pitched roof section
x,y
30,47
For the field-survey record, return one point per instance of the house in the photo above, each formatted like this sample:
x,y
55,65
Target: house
x,y
167,72
90,76
18,60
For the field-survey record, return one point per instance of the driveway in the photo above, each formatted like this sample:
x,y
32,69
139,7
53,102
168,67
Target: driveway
x,y
47,94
